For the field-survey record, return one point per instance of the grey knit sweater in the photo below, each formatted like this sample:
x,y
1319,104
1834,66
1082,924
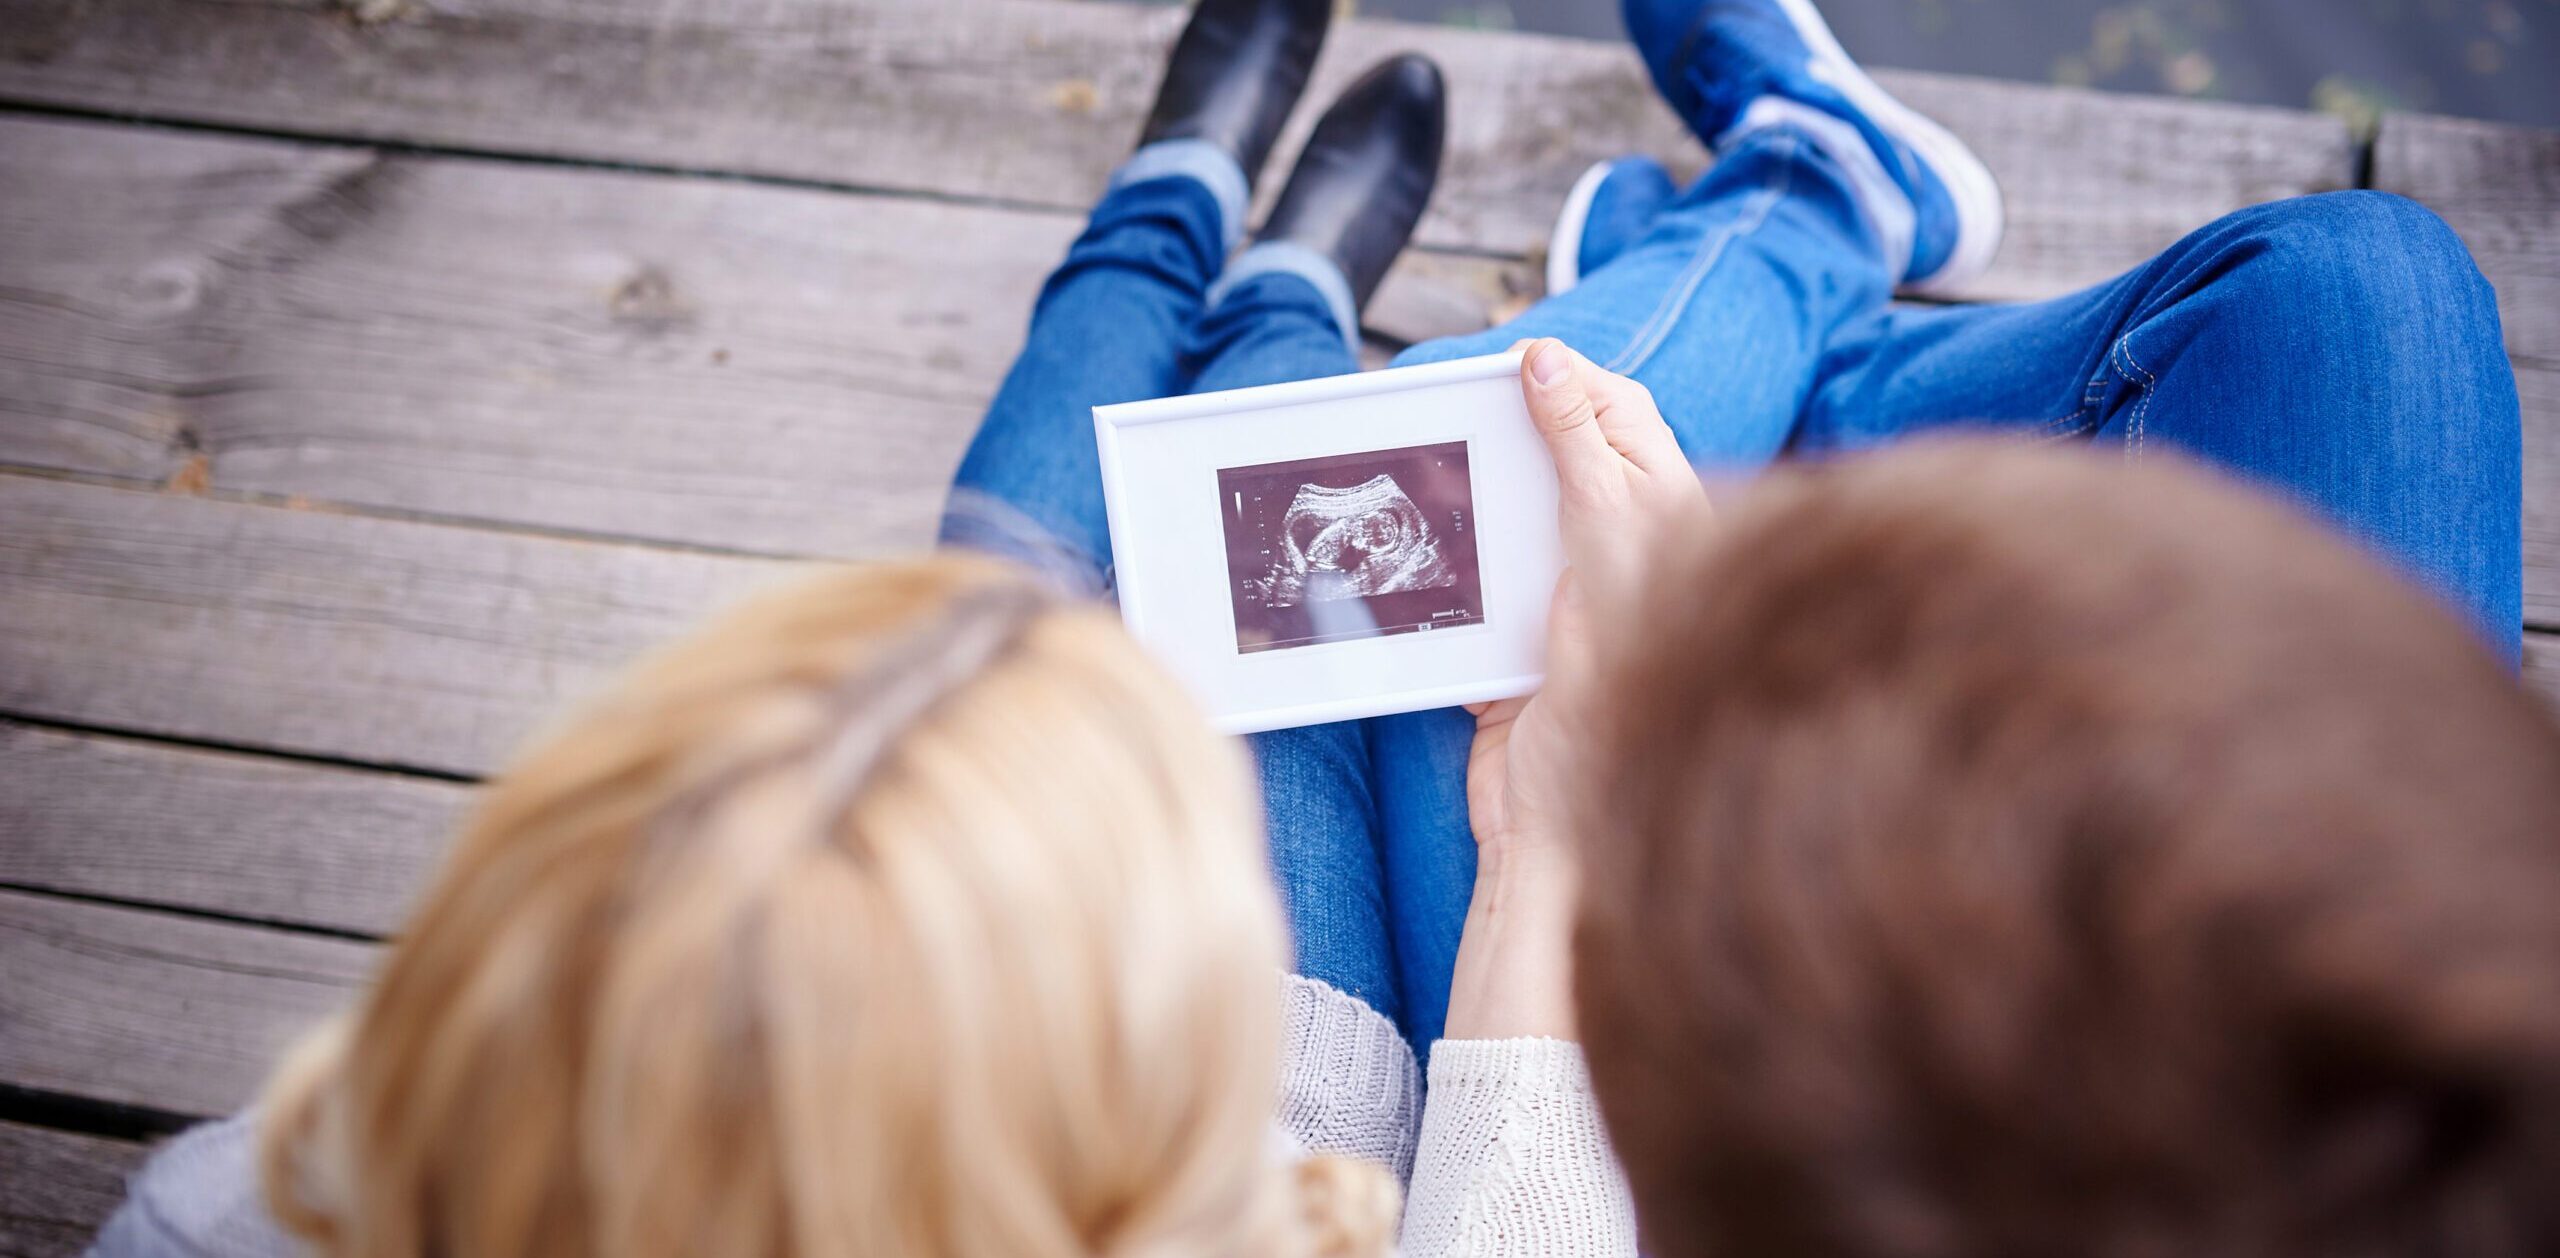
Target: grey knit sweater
x,y
1506,1158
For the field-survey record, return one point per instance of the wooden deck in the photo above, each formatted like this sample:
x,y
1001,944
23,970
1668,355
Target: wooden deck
x,y
376,375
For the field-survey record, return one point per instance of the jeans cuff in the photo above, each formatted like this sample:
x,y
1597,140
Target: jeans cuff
x,y
1286,257
1201,162
979,521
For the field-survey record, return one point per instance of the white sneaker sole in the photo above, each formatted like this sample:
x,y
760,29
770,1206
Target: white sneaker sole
x,y
1981,217
1564,244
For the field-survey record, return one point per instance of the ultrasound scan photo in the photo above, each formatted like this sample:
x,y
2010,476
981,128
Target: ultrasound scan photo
x,y
1351,546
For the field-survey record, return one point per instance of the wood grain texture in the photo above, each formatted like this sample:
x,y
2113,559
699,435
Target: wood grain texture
x,y
2538,389
2542,666
727,365
244,836
661,358
1033,101
384,641
2499,187
146,1008
57,1188
715,363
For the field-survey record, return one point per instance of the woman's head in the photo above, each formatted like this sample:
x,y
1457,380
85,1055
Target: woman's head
x,y
905,911
2009,852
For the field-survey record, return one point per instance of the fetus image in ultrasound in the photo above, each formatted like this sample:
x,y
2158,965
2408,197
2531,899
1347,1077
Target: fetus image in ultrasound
x,y
1359,542
1351,546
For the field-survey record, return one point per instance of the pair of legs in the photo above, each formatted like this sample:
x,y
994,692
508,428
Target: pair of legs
x,y
2341,350
1369,842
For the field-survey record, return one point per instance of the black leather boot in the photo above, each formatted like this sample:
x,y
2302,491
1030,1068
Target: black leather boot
x,y
1367,172
1236,73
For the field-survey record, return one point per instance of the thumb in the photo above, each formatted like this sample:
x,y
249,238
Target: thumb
x,y
1557,385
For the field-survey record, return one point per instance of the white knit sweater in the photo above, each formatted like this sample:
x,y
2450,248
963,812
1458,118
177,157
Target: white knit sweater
x,y
1506,1158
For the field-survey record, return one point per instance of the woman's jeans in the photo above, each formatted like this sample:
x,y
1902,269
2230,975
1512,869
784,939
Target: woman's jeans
x,y
2342,350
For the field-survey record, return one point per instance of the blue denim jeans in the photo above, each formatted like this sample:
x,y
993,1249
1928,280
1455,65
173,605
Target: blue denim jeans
x,y
2341,350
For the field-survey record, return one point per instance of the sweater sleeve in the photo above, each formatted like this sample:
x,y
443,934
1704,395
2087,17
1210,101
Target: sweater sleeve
x,y
197,1198
1348,1082
1513,1160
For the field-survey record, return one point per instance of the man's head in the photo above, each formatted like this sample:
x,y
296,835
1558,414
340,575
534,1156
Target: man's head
x,y
2005,853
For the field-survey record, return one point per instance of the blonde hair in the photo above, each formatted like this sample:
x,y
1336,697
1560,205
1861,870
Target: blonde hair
x,y
675,992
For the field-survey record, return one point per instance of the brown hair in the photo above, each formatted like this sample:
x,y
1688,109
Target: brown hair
x,y
2006,854
904,911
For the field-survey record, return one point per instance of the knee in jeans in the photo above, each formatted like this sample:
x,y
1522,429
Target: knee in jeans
x,y
2368,255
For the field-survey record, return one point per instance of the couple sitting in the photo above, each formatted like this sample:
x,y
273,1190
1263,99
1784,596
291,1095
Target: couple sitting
x,y
1974,849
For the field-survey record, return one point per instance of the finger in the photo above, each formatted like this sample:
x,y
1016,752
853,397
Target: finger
x,y
1632,422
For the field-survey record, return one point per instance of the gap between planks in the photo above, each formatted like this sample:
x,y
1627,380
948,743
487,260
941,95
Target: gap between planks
x,y
57,1187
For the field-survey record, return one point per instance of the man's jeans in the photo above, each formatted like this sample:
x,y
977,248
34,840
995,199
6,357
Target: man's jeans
x,y
2341,350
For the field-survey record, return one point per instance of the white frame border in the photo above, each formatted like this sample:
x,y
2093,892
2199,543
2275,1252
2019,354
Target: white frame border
x,y
1109,421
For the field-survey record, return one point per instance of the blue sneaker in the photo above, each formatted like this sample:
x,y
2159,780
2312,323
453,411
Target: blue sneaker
x,y
1731,67
1609,207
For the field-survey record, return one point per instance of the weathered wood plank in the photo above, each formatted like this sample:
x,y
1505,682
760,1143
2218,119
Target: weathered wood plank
x,y
145,1008
1032,101
607,353
246,836
2538,387
719,364
386,641
2542,665
58,1187
713,363
2499,187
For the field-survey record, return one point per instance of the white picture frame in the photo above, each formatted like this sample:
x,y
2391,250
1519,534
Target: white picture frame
x,y
1329,549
